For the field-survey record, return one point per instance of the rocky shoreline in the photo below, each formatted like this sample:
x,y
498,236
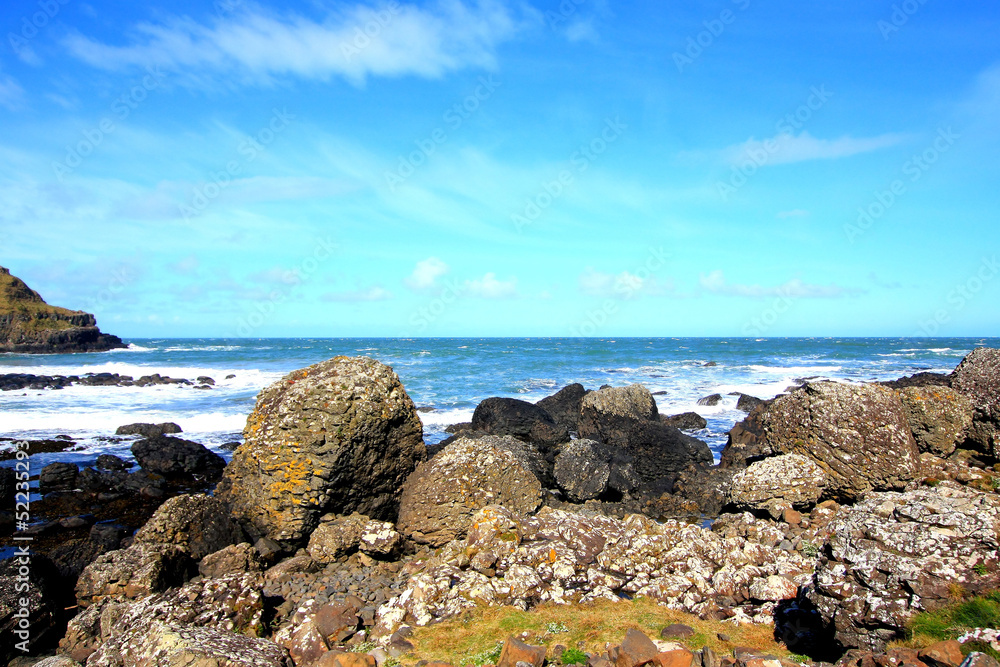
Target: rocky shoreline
x,y
838,511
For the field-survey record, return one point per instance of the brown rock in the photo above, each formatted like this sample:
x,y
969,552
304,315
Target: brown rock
x,y
943,654
140,570
346,660
938,416
199,524
678,658
336,622
978,377
637,649
307,644
676,631
234,558
515,651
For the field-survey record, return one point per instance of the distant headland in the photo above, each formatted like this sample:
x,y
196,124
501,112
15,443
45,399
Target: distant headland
x,y
29,325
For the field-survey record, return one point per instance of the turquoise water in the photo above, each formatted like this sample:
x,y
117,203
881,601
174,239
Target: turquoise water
x,y
449,375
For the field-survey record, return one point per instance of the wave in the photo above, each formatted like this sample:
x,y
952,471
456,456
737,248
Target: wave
x,y
795,370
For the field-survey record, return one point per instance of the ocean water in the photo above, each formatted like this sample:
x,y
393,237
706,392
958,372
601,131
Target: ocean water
x,y
449,376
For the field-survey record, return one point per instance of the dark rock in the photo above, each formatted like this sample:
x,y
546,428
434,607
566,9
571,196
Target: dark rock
x,y
587,469
340,436
627,418
58,477
920,380
978,377
858,434
690,421
108,535
458,428
148,430
523,420
43,605
233,559
746,402
173,457
111,462
676,631
204,379
564,405
140,570
714,399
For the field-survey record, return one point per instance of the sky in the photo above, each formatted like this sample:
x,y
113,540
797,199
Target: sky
x,y
493,168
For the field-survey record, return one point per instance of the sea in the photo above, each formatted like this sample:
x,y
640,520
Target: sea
x,y
445,377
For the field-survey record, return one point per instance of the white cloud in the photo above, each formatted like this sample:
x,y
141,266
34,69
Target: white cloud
x,y
715,283
426,273
11,93
257,46
374,293
787,148
623,285
488,287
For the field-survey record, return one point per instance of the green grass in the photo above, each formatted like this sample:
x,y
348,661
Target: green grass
x,y
952,621
573,656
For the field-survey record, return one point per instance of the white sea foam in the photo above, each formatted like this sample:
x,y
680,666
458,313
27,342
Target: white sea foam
x,y
796,370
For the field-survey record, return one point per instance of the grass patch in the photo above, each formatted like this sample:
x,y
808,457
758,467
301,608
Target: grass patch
x,y
950,622
476,637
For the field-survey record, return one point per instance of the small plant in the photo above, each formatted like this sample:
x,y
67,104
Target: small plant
x,y
980,569
810,550
487,657
554,628
363,647
390,662
573,656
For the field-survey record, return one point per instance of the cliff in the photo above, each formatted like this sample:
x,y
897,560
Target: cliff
x,y
29,325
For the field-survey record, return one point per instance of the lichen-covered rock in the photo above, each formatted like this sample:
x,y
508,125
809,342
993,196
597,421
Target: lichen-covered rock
x,y
234,559
117,629
523,420
441,496
896,554
148,430
162,644
858,435
563,556
340,535
939,417
564,405
777,483
690,421
627,418
339,436
978,377
140,570
586,469
198,523
175,457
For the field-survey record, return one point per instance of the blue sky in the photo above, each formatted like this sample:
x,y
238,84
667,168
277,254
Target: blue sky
x,y
505,168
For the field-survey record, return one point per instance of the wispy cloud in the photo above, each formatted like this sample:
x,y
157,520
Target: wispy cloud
x,y
788,148
373,293
257,46
488,287
623,285
11,92
426,273
715,283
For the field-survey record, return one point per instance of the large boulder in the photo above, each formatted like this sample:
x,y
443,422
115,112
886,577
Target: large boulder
x,y
627,418
175,457
564,405
778,483
58,476
178,645
441,496
939,417
978,377
340,436
523,420
141,569
858,435
200,524
896,554
587,469
690,421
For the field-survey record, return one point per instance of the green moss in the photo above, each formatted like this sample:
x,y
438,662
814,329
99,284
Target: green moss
x,y
952,621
